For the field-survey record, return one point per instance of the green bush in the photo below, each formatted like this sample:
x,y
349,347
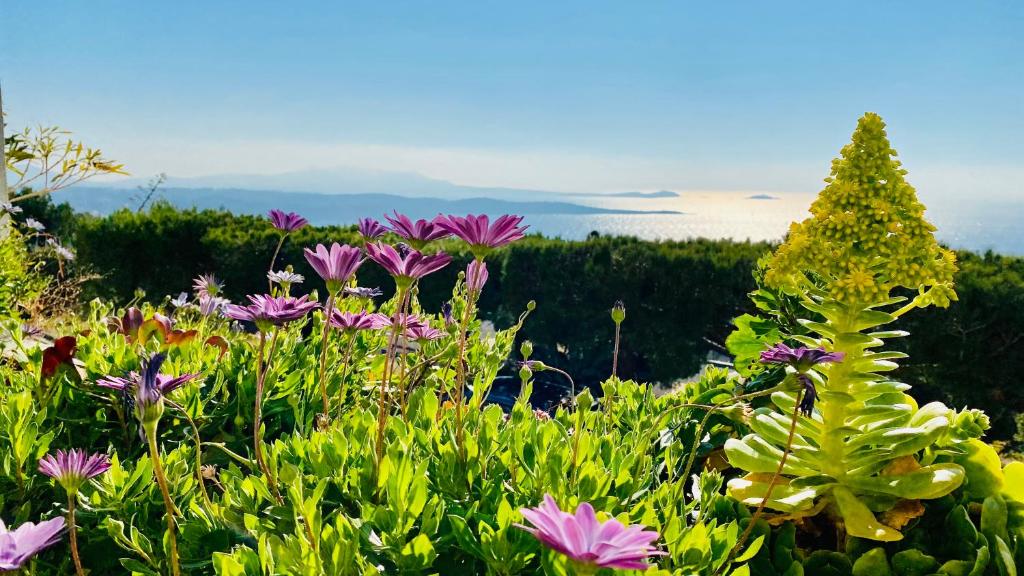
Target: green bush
x,y
680,296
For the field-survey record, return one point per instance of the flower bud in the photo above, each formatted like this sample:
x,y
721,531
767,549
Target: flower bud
x,y
618,312
739,412
526,349
525,373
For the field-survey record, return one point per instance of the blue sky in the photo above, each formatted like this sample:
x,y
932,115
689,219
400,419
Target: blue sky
x,y
569,95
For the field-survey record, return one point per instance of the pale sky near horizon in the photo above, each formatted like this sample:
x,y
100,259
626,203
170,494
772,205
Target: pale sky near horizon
x,y
574,96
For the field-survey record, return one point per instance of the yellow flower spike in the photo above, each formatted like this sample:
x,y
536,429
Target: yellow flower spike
x,y
866,211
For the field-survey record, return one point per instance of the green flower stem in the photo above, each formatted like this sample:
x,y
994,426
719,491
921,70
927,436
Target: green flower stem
x,y
580,569
615,352
261,377
460,376
73,534
328,308
402,366
907,308
161,480
20,477
344,370
382,413
273,260
768,492
199,453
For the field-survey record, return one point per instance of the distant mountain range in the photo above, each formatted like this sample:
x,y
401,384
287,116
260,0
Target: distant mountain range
x,y
320,209
341,196
362,181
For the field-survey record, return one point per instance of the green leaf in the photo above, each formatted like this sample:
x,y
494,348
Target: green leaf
x,y
983,467
1013,476
1004,558
752,488
872,563
913,562
922,484
859,520
137,567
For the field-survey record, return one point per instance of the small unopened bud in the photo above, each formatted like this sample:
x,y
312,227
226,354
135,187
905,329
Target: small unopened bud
x,y
535,365
526,349
618,312
525,373
531,305
322,421
739,412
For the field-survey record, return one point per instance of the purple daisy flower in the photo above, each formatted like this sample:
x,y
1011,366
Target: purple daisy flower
x,y
405,321
336,265
354,321
423,334
208,285
209,305
19,545
73,467
286,222
370,229
481,235
165,384
476,276
801,359
147,390
418,233
588,542
408,267
266,311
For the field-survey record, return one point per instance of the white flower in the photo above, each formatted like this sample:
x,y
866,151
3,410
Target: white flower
x,y
10,208
61,251
285,277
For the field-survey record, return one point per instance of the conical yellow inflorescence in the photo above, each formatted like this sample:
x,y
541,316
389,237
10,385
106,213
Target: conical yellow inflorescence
x,y
867,234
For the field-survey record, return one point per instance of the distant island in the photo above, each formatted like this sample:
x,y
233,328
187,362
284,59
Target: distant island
x,y
762,197
323,209
658,194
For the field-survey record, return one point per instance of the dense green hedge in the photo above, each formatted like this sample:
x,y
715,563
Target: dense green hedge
x,y
679,296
